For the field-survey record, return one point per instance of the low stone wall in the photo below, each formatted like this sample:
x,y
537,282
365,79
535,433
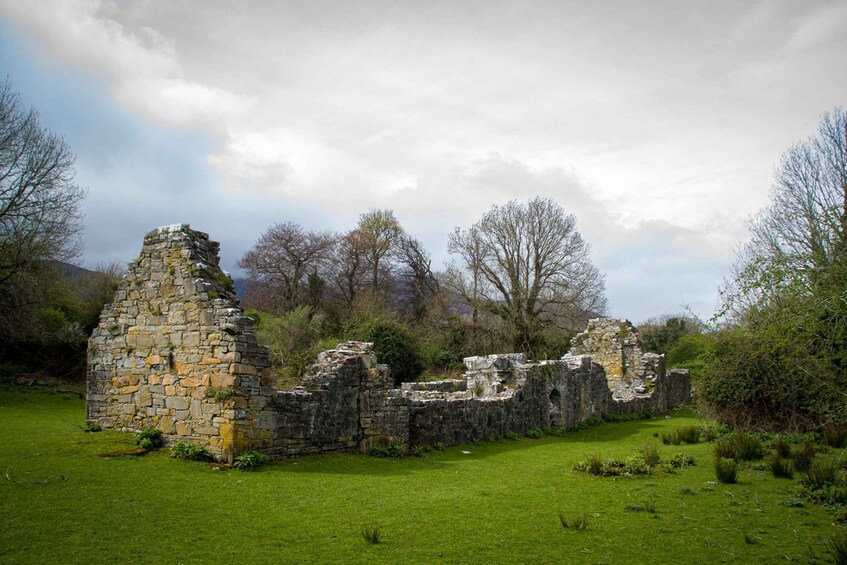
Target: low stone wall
x,y
345,404
547,394
175,352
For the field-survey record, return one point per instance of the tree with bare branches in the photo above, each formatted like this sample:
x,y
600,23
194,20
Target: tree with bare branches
x,y
283,266
39,200
527,264
781,360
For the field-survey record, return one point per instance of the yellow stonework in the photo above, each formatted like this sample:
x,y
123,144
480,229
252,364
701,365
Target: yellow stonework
x,y
210,361
221,380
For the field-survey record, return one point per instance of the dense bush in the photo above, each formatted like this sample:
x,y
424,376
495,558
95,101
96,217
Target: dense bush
x,y
394,345
750,382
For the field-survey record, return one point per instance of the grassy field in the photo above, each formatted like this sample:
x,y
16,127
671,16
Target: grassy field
x,y
496,502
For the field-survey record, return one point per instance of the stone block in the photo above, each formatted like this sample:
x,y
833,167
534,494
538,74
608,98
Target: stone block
x,y
177,403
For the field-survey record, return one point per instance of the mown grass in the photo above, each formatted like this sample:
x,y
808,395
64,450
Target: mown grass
x,y
502,502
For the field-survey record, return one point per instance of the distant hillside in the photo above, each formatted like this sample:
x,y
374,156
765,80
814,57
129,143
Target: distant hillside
x,y
69,272
240,287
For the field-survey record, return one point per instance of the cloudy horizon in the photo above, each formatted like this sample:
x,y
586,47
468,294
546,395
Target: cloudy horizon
x,y
658,125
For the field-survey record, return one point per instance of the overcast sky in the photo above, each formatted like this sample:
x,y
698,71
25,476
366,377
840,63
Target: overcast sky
x,y
658,124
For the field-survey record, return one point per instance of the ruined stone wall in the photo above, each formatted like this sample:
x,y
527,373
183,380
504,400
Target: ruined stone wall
x,y
345,404
175,352
546,394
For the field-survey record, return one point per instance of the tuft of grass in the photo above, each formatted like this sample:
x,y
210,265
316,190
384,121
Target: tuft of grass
x,y
576,522
726,470
781,468
92,428
371,534
740,446
648,506
689,434
835,435
650,454
836,546
594,464
671,437
804,456
781,447
822,473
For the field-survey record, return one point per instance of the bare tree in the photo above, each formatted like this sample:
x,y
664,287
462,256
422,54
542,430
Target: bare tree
x,y
284,263
39,200
802,234
530,267
379,233
348,268
417,282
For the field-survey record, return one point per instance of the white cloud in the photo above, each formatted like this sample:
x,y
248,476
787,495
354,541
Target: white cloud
x,y
824,24
141,66
657,125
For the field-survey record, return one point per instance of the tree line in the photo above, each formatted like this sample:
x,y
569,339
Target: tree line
x,y
521,280
47,309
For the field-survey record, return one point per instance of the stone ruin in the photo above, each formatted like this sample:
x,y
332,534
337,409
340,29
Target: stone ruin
x,y
175,352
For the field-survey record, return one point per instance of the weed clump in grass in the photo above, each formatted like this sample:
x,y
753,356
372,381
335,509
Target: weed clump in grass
x,y
740,446
392,451
92,428
726,470
821,474
596,465
835,435
671,437
650,455
681,461
148,438
647,506
781,447
371,534
250,460
804,455
190,451
573,521
836,546
781,468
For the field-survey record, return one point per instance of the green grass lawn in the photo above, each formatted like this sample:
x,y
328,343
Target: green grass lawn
x,y
61,503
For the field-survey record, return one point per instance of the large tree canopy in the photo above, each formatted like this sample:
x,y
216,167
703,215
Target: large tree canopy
x,y
527,264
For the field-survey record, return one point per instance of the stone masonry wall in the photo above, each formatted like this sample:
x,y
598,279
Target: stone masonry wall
x,y
175,352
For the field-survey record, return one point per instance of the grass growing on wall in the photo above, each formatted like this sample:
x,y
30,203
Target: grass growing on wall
x,y
502,502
